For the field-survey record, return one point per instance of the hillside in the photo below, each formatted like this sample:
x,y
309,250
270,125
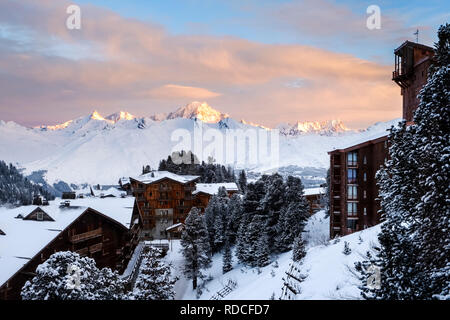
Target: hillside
x,y
328,270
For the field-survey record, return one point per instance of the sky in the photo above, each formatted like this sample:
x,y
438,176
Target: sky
x,y
264,61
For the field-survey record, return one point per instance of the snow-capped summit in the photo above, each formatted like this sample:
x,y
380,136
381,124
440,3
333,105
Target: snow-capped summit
x,y
198,110
328,127
121,115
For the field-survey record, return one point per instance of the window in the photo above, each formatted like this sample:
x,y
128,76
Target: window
x,y
351,176
365,176
40,216
365,211
365,194
352,208
351,224
352,158
352,193
365,160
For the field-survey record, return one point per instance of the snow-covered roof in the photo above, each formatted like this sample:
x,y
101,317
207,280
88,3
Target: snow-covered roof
x,y
313,191
361,140
213,188
24,239
154,176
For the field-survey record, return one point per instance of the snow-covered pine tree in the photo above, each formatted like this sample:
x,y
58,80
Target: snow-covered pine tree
x,y
272,204
221,220
235,211
347,249
68,276
154,281
195,246
227,258
414,189
242,181
262,252
294,214
431,230
298,250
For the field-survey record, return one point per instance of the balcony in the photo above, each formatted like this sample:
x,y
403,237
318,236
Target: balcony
x,y
86,235
83,252
96,248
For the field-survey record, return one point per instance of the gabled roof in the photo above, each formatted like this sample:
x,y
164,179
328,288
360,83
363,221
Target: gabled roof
x,y
46,216
155,176
314,191
24,239
2,233
213,188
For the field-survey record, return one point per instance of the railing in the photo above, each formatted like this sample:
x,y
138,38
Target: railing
x,y
131,272
96,247
83,252
225,290
86,235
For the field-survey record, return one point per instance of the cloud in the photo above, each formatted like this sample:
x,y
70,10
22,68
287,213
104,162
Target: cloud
x,y
173,91
139,66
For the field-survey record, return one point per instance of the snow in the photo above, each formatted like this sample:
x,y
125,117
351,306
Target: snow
x,y
95,151
213,188
328,270
158,175
24,239
313,191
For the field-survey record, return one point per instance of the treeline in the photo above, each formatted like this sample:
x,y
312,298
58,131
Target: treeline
x,y
186,163
17,190
267,219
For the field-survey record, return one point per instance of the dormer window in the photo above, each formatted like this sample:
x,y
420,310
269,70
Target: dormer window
x,y
40,216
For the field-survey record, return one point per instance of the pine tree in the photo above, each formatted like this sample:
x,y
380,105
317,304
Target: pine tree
x,y
347,251
154,281
235,212
242,181
293,216
262,251
227,258
298,251
66,275
414,189
195,246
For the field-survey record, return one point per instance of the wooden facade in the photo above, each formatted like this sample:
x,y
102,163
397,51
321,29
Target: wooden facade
x,y
92,234
162,203
412,61
353,190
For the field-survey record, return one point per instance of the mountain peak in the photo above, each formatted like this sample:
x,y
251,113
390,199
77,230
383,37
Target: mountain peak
x,y
121,115
327,127
198,110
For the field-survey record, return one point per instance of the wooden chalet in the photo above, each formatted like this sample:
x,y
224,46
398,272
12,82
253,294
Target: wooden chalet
x,y
108,234
354,203
204,191
315,198
163,199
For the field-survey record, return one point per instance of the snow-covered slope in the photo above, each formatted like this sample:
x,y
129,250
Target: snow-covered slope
x,y
328,269
97,149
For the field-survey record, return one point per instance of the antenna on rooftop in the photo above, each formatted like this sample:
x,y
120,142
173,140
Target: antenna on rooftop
x,y
417,35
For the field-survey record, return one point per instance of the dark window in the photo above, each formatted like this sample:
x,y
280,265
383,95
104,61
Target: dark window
x,y
352,158
365,160
352,208
352,193
351,224
351,176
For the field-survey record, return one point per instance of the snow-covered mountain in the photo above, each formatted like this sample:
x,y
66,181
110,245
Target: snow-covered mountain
x,y
194,110
328,127
98,149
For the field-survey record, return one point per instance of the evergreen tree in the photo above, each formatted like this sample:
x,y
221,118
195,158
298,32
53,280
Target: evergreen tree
x,y
68,276
227,258
195,246
347,249
154,281
414,189
294,213
242,181
235,212
298,251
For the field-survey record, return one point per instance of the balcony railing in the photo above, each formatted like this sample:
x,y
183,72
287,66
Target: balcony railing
x,y
86,235
96,247
83,252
